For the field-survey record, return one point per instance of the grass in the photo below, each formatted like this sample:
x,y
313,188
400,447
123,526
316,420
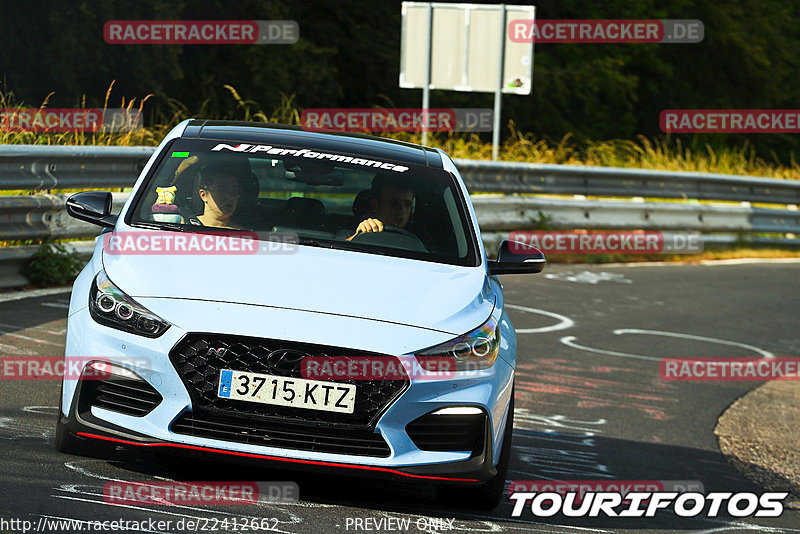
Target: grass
x,y
661,153
729,253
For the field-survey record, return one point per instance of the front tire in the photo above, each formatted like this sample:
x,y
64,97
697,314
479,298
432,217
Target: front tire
x,y
65,441
69,443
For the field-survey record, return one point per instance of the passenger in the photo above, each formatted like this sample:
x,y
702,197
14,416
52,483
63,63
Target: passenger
x,y
219,191
391,205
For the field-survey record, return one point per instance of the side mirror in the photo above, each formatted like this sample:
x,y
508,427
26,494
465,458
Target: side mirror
x,y
514,257
93,207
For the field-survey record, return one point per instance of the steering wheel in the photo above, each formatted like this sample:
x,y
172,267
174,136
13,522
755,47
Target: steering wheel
x,y
400,230
394,230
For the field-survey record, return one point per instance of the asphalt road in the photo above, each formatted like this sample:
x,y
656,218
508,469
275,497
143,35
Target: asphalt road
x,y
590,405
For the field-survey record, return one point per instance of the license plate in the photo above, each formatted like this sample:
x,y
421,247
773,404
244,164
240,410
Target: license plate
x,y
287,391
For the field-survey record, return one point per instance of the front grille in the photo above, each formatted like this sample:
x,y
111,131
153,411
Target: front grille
x,y
198,359
464,432
129,396
283,434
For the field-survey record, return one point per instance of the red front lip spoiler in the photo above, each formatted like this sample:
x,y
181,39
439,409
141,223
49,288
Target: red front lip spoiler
x,y
276,458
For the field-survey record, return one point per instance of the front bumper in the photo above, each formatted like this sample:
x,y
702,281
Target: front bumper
x,y
489,390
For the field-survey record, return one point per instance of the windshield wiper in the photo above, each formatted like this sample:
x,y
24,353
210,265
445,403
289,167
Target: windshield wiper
x,y
313,242
161,226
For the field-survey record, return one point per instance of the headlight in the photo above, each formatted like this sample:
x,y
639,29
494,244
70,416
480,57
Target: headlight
x,y
109,306
470,352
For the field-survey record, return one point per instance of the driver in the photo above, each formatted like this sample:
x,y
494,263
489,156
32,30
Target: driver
x,y
391,204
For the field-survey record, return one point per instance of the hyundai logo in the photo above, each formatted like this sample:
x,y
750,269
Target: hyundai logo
x,y
286,359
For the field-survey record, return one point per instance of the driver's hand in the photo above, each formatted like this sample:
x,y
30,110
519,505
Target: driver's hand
x,y
368,225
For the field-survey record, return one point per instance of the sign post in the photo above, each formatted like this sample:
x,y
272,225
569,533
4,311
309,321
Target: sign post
x,y
465,47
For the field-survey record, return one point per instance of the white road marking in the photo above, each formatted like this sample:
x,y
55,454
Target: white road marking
x,y
32,293
16,429
72,488
16,350
569,341
738,526
563,324
159,508
530,420
55,305
4,333
588,277
705,263
764,353
60,332
46,410
132,507
747,261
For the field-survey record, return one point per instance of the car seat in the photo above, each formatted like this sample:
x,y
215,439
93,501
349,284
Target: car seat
x,y
301,212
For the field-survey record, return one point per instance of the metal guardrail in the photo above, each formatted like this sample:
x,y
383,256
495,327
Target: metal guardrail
x,y
42,167
520,213
513,177
42,216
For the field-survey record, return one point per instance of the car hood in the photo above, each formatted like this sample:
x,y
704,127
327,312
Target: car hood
x,y
430,295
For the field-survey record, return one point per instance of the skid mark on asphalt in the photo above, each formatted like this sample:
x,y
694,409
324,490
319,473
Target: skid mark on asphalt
x,y
560,382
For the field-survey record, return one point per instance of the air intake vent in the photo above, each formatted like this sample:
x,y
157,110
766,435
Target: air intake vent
x,y
448,433
282,434
129,396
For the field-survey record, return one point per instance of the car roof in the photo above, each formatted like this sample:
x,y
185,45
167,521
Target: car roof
x,y
282,134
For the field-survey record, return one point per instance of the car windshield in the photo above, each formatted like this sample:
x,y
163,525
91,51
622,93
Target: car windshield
x,y
329,199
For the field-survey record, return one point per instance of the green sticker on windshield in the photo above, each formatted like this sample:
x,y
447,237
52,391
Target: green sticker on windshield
x,y
180,154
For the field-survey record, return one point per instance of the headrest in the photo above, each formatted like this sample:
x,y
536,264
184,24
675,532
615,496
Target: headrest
x,y
362,204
